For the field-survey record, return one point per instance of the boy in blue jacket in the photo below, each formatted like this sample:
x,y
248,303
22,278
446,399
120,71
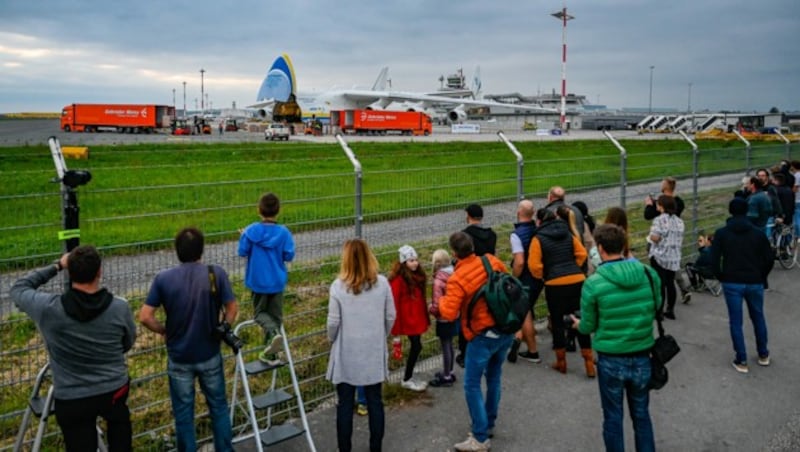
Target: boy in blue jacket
x,y
267,246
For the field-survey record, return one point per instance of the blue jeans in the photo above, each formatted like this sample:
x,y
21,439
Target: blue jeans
x,y
796,219
181,391
753,295
344,416
485,355
628,376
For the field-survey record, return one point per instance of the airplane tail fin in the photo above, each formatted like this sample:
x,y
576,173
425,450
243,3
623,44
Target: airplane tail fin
x,y
476,83
280,82
380,82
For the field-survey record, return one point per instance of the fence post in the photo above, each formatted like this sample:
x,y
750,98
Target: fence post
x,y
359,194
623,170
747,151
787,144
695,177
520,164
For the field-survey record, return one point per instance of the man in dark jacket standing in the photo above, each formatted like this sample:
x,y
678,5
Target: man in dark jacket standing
x,y
741,259
484,241
87,331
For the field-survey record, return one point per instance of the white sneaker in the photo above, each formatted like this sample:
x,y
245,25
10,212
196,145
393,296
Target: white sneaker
x,y
473,445
763,360
413,385
274,346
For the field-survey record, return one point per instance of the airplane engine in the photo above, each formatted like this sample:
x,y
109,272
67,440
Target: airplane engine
x,y
263,114
457,115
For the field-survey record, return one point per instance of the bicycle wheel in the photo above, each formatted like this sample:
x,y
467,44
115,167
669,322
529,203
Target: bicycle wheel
x,y
787,248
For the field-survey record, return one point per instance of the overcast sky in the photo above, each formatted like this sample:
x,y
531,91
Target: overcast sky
x,y
737,54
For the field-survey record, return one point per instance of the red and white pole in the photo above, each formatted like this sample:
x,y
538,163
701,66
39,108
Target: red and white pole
x,y
564,70
564,18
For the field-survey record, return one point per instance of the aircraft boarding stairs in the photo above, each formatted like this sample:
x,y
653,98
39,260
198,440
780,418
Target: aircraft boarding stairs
x,y
43,408
270,434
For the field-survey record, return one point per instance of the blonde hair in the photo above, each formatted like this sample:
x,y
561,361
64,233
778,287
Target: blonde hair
x,y
359,269
566,214
441,259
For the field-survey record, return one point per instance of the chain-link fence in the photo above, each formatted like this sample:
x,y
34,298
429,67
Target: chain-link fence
x,y
388,197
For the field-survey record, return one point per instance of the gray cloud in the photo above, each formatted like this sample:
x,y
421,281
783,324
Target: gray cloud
x,y
737,54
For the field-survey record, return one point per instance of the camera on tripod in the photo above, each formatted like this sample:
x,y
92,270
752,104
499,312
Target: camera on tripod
x,y
224,333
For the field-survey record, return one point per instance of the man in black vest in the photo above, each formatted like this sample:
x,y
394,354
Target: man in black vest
x,y
524,230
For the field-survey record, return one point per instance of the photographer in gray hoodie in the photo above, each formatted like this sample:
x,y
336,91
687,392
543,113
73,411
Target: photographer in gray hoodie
x,y
87,331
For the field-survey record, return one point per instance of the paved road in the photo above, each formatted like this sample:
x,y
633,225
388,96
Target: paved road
x,y
37,131
706,406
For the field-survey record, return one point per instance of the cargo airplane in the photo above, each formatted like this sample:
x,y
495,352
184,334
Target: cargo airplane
x,y
277,98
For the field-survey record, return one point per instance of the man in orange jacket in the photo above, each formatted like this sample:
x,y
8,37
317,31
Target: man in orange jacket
x,y
487,347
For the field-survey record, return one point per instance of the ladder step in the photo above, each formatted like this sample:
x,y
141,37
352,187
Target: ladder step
x,y
257,367
37,405
271,398
279,433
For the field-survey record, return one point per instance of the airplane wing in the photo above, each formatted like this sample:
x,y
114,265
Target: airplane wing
x,y
261,105
386,97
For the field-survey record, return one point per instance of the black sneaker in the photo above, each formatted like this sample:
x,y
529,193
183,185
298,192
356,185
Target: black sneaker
x,y
442,382
512,354
532,357
670,315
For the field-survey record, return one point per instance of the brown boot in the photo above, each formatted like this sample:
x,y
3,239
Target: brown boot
x,y
561,361
588,361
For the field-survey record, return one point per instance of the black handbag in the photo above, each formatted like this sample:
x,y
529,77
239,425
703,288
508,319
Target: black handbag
x,y
658,375
665,348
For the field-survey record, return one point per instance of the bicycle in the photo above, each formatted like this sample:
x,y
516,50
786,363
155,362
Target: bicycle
x,y
784,244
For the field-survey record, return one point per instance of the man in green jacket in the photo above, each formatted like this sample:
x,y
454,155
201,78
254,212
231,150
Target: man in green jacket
x,y
618,305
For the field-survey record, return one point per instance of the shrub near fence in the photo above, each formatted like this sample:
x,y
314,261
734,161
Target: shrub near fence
x,y
411,193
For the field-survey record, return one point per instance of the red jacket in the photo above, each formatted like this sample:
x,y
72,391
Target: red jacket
x,y
412,309
466,280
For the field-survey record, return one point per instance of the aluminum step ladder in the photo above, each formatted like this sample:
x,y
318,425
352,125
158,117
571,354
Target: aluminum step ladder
x,y
271,434
43,408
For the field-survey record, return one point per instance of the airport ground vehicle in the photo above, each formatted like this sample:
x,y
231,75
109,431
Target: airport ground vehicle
x,y
202,126
124,118
382,122
276,131
231,125
181,127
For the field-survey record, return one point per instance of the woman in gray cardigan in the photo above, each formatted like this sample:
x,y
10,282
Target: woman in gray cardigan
x,y
360,315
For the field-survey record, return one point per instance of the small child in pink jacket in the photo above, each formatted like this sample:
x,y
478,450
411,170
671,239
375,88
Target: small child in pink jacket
x,y
442,269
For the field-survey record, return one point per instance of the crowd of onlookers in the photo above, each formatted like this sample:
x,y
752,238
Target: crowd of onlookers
x,y
601,300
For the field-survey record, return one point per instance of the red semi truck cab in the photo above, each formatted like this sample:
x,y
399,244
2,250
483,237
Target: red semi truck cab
x,y
125,118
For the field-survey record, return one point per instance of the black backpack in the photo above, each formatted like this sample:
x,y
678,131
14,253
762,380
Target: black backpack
x,y
506,297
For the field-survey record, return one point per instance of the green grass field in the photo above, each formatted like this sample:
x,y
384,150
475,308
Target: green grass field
x,y
138,194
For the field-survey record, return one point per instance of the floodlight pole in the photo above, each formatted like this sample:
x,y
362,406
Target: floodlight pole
x,y
184,99
650,101
563,17
202,106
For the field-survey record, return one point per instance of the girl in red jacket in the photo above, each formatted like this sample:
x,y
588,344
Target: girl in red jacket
x,y
408,281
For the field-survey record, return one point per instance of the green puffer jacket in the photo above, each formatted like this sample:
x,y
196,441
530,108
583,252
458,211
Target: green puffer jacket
x,y
617,305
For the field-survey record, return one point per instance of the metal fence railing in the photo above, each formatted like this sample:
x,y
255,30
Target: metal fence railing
x,y
387,200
